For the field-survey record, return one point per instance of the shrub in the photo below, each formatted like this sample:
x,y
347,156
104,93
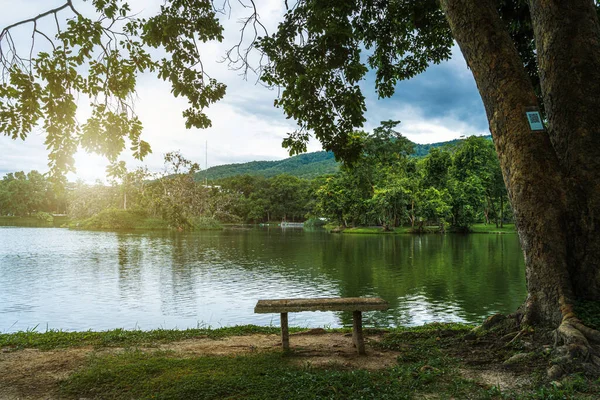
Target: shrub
x,y
112,218
314,223
44,217
206,223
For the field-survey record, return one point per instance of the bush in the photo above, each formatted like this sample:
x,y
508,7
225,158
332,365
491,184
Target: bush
x,y
112,218
314,223
44,217
206,224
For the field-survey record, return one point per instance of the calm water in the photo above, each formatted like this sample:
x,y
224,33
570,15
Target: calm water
x,y
79,280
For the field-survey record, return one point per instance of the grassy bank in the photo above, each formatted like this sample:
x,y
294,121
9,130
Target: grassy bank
x,y
34,222
491,228
54,339
437,361
378,230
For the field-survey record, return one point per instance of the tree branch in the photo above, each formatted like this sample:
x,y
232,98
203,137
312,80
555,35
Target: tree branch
x,y
54,11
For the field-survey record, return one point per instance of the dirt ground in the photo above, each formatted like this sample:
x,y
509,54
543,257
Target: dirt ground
x,y
34,374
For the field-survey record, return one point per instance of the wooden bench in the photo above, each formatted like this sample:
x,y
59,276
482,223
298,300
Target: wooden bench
x,y
355,304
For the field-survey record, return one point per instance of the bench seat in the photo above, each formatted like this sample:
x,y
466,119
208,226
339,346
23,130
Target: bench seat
x,y
355,304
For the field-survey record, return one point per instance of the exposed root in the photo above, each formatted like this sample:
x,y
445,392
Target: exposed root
x,y
516,337
591,334
574,345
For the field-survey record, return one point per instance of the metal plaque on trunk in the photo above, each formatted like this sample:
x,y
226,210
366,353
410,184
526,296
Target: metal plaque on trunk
x,y
535,120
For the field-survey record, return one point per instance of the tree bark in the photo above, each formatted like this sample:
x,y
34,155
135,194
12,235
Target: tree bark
x,y
530,166
567,38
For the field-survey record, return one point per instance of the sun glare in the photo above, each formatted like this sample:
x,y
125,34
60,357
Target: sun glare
x,y
90,167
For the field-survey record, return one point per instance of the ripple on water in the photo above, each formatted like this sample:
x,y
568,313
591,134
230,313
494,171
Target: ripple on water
x,y
79,280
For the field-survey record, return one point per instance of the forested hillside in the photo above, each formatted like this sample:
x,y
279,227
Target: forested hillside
x,y
308,165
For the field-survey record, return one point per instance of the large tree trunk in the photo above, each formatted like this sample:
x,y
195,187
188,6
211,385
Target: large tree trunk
x,y
568,47
530,166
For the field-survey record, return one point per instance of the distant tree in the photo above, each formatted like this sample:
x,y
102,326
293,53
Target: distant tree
x,y
85,200
24,194
176,196
435,168
434,205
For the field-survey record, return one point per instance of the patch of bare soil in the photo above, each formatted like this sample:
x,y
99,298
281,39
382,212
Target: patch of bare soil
x,y
502,379
34,374
495,358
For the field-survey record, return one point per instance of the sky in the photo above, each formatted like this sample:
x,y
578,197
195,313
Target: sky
x,y
441,104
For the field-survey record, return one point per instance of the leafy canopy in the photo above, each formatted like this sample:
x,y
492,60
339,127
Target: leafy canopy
x,y
101,60
318,55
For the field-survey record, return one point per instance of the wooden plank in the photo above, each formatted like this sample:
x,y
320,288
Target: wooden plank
x,y
285,335
357,333
321,304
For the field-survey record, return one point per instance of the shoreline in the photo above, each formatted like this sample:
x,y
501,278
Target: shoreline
x,y
378,230
150,224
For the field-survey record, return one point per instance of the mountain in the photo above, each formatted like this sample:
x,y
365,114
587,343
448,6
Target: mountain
x,y
307,165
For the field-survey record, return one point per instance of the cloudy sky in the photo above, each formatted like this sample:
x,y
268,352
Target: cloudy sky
x,y
441,104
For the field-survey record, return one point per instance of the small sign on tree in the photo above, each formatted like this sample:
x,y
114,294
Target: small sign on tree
x,y
535,120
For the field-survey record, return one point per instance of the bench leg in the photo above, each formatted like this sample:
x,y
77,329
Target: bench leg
x,y
285,335
357,334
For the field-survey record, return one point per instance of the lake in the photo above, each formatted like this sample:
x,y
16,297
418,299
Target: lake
x,y
52,278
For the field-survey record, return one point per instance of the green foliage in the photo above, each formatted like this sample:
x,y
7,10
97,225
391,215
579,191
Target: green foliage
x,y
44,217
307,166
33,222
487,228
100,59
320,71
24,194
434,205
385,186
256,199
206,224
459,184
112,218
315,223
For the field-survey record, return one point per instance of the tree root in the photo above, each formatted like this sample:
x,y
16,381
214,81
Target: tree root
x,y
575,346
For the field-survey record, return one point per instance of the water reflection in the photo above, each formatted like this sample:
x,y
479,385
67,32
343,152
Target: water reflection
x,y
78,280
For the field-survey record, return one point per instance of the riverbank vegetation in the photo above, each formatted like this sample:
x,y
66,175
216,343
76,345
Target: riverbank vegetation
x,y
457,187
436,360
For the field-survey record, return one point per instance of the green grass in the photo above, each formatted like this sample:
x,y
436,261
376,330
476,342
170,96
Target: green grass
x,y
53,339
32,222
423,368
477,228
261,376
206,224
376,230
491,228
430,359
